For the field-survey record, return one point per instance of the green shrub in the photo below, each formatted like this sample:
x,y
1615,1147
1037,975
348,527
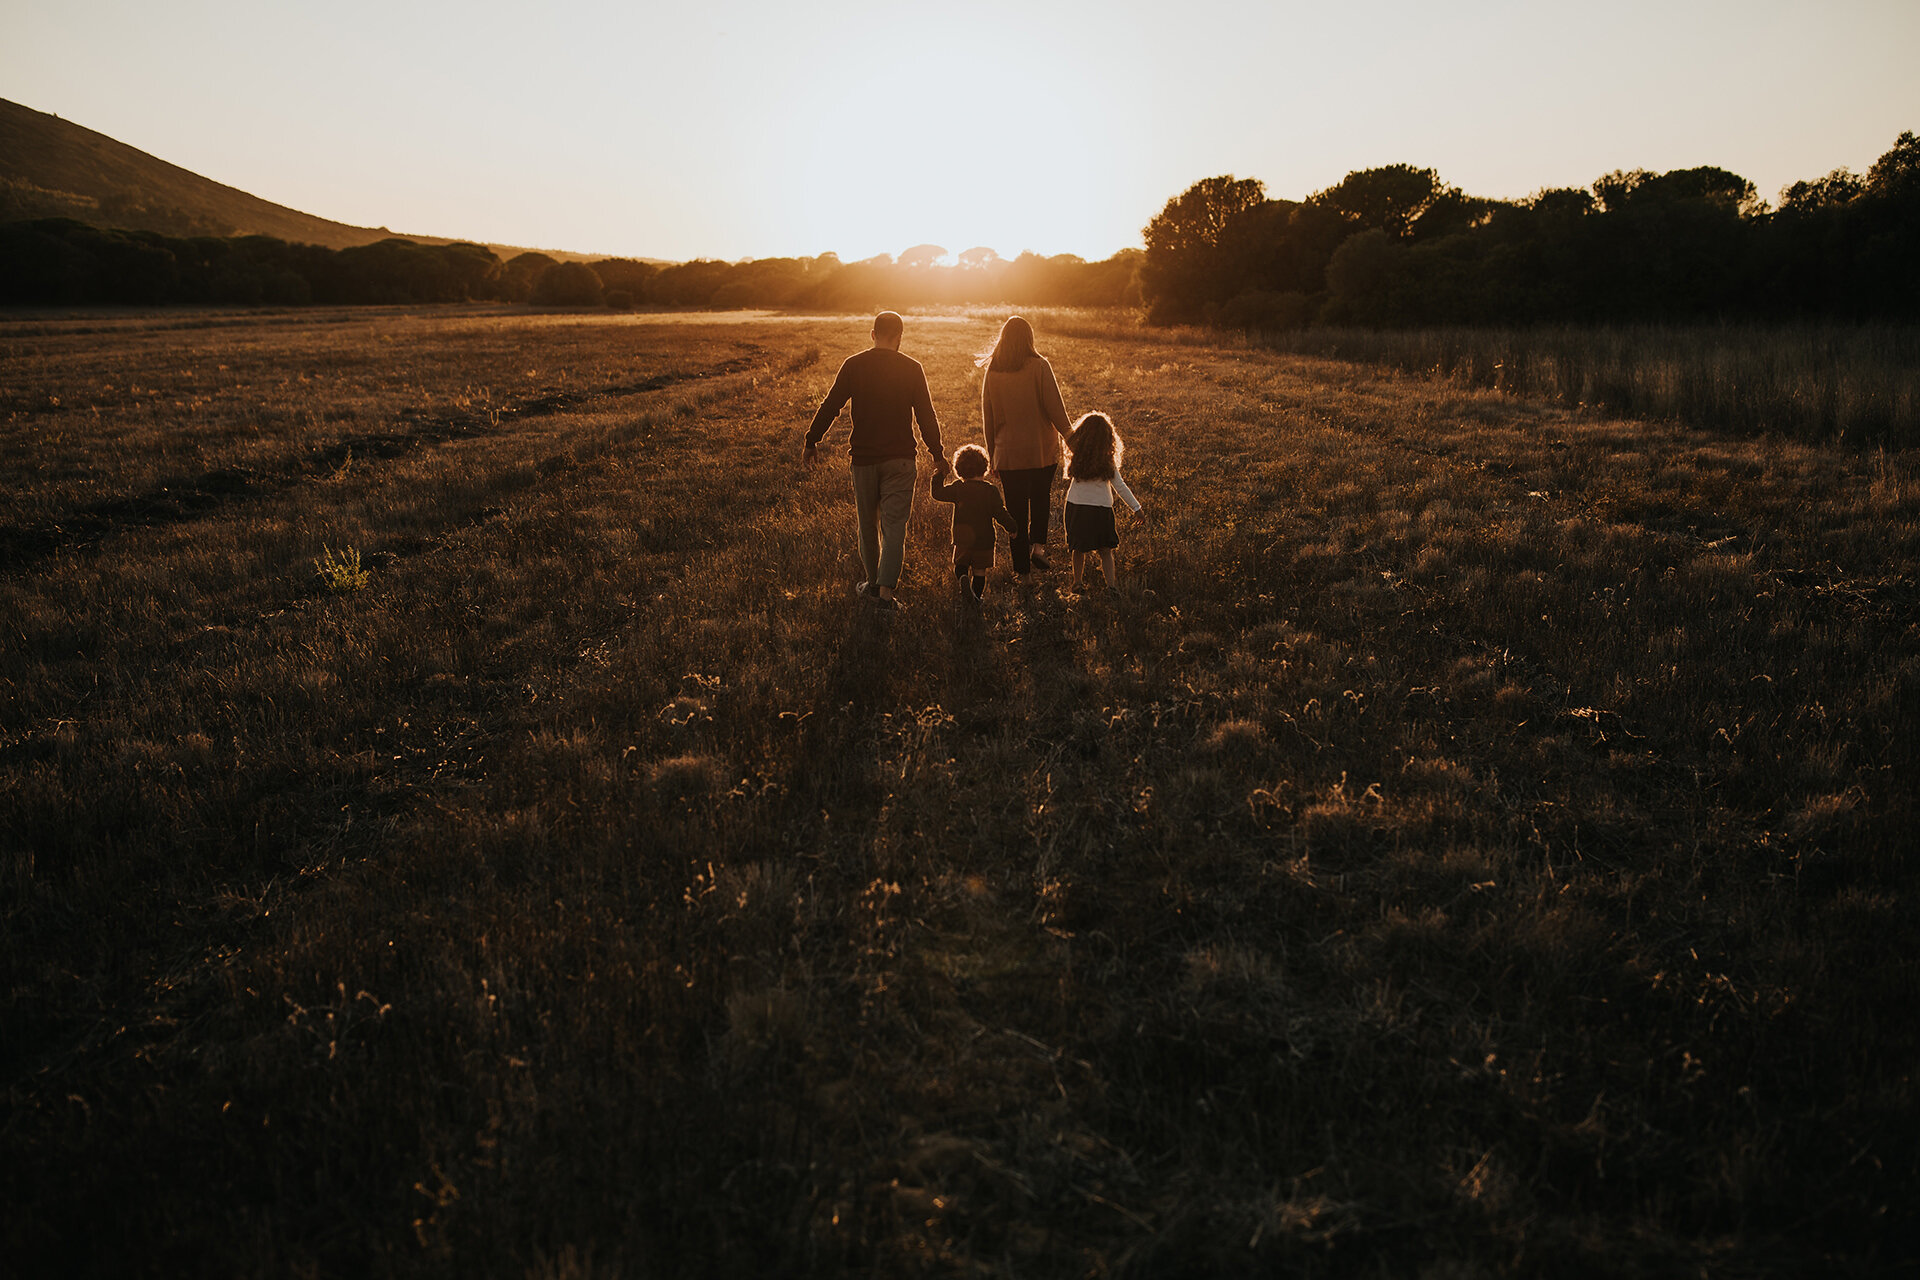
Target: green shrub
x,y
568,284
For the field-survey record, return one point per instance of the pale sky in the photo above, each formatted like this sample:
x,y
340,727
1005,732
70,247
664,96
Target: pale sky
x,y
767,128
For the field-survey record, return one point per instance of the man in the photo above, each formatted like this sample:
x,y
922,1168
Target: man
x,y
889,393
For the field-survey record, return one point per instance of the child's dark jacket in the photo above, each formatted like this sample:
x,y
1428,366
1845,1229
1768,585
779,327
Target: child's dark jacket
x,y
977,505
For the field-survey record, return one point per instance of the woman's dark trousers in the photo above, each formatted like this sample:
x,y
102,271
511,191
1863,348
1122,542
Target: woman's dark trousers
x,y
1029,494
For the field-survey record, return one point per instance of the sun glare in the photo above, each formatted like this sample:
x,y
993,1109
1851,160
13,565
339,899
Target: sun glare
x,y
972,140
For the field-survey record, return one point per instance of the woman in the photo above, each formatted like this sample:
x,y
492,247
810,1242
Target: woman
x,y
1025,420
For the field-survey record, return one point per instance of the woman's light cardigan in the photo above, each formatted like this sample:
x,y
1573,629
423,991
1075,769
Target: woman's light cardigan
x,y
1024,416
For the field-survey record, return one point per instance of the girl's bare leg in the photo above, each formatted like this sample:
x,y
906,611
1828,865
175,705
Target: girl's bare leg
x,y
1107,567
1079,567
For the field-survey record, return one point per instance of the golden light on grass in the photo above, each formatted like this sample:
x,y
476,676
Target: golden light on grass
x,y
1474,810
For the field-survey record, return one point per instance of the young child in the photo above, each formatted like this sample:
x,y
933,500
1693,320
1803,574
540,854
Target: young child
x,y
977,505
1093,477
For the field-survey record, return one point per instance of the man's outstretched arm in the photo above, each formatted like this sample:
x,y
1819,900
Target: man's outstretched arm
x,y
929,422
837,397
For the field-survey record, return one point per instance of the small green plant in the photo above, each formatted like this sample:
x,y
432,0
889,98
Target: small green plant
x,y
341,570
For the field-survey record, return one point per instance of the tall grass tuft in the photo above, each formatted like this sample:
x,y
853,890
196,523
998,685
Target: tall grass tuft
x,y
341,570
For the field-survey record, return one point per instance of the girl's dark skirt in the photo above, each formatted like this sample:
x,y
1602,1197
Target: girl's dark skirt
x,y
1090,528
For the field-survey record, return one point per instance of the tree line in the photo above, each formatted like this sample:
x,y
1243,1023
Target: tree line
x,y
1397,247
64,261
1389,247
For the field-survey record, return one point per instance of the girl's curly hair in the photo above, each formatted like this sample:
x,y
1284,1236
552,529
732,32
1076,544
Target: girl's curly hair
x,y
1095,448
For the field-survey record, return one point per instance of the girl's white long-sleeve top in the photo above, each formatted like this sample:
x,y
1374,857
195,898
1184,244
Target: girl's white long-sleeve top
x,y
1099,493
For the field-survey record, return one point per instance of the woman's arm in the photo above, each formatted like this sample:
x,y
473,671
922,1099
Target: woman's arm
x,y
989,419
1051,403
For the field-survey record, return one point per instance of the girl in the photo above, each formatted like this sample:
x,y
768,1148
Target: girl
x,y
1093,474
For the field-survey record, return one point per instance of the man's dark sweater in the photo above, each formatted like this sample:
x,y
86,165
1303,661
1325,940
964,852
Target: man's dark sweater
x,y
888,391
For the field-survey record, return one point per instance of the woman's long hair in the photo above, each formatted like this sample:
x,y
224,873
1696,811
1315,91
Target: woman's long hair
x,y
1094,449
1012,349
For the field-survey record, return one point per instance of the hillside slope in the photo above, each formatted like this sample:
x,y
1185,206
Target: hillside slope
x,y
54,168
51,167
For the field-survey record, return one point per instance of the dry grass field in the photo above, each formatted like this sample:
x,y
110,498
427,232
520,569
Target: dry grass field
x,y
1474,840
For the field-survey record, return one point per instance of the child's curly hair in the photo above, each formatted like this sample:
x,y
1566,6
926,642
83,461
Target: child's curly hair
x,y
1096,449
970,461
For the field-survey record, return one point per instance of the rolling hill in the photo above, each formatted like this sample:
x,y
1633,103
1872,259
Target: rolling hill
x,y
50,167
